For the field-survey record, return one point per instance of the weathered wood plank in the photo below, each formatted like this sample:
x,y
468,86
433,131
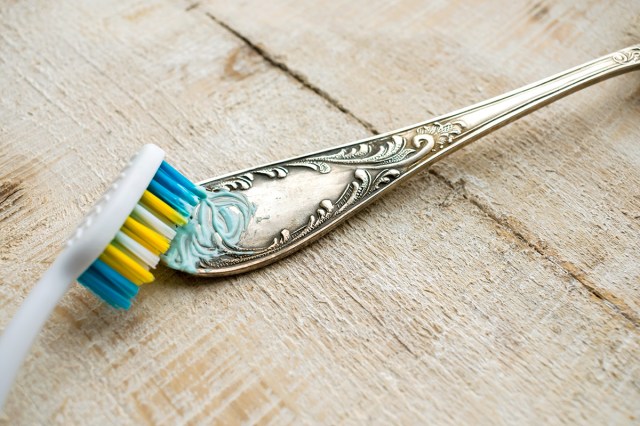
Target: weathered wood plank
x,y
566,179
439,316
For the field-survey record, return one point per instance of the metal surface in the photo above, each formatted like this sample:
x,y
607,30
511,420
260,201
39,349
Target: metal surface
x,y
299,199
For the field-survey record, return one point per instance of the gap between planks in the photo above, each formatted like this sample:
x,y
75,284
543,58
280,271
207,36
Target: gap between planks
x,y
568,267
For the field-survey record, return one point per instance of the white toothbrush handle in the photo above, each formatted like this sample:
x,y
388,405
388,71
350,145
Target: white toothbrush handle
x,y
25,326
89,240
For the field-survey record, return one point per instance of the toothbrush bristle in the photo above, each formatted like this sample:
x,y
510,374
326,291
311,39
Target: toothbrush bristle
x,y
173,201
160,208
180,179
143,215
146,234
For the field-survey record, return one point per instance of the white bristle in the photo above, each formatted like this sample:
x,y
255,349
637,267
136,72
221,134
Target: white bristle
x,y
130,254
152,221
137,249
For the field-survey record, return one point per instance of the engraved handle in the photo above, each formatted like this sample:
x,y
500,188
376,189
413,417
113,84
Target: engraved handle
x,y
259,215
453,131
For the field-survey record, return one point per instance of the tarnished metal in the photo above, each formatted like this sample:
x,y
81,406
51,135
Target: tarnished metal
x,y
299,199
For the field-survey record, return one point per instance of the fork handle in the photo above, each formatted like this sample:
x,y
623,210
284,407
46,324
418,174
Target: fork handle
x,y
301,198
453,131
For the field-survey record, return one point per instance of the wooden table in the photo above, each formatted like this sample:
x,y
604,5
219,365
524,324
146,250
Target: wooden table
x,y
500,287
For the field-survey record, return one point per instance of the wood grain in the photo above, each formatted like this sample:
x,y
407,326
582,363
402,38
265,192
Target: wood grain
x,y
501,288
580,158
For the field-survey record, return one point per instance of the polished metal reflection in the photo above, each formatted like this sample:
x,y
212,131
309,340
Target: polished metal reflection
x,y
299,199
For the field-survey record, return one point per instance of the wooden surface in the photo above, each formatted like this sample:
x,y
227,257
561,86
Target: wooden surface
x,y
501,287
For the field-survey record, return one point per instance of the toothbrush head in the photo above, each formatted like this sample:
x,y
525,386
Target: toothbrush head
x,y
123,237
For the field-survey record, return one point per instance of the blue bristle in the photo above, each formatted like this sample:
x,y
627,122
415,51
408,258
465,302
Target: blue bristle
x,y
165,195
95,282
186,183
178,190
117,281
179,193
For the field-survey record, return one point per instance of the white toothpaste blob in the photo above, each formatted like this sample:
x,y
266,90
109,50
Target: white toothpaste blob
x,y
215,227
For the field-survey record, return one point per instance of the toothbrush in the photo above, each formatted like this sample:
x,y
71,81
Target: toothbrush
x,y
248,219
111,251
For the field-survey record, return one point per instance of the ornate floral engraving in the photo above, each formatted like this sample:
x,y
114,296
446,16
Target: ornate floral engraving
x,y
389,151
378,153
627,56
363,185
437,134
375,163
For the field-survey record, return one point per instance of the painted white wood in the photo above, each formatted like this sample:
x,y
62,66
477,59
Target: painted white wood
x,y
467,296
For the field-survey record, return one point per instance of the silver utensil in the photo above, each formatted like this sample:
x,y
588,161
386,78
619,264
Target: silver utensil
x,y
256,216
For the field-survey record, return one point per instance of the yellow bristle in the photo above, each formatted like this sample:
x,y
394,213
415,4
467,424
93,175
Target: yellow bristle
x,y
141,241
157,242
161,208
125,265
